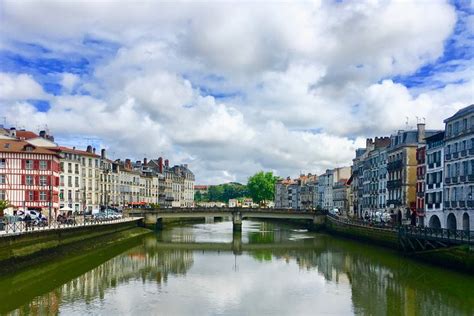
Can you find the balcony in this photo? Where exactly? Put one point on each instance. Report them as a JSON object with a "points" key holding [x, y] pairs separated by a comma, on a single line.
{"points": [[437, 205], [420, 194], [462, 204], [394, 184], [462, 179], [447, 204], [395, 165], [470, 178], [430, 165], [455, 155], [394, 202], [454, 204], [447, 157], [464, 153], [430, 186], [470, 203], [447, 180], [454, 180], [471, 151]]}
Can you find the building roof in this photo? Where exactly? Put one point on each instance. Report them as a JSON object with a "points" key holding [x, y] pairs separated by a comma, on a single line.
{"points": [[19, 146], [435, 137], [201, 187], [25, 135], [76, 151], [461, 113]]}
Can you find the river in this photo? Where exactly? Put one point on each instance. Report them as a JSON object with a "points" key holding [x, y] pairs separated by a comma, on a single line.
{"points": [[268, 269]]}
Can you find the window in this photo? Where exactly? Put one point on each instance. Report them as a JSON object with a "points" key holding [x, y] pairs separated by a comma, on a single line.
{"points": [[69, 167], [97, 163], [76, 182], [90, 162], [29, 180], [31, 196], [61, 194], [3, 195], [29, 164], [43, 165], [42, 195], [2, 163], [464, 124], [69, 181], [3, 179], [43, 180], [69, 195], [76, 168]]}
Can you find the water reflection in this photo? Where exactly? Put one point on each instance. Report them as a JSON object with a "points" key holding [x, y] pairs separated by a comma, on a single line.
{"points": [[269, 268]]}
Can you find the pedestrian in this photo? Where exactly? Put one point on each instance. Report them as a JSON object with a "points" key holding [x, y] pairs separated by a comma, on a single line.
{"points": [[27, 221]]}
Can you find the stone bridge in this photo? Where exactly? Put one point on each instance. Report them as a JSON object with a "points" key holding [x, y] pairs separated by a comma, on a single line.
{"points": [[155, 216]]}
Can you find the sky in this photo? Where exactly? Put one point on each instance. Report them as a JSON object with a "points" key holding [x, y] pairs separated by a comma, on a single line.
{"points": [[232, 88]]}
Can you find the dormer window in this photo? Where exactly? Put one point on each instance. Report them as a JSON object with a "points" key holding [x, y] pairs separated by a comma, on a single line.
{"points": [[7, 145], [29, 148]]}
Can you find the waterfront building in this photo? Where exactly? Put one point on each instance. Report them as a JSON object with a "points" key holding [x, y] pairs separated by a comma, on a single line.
{"points": [[420, 186], [341, 192], [71, 184], [29, 175], [459, 170], [434, 215], [401, 167], [326, 183], [281, 193], [296, 193], [356, 183]]}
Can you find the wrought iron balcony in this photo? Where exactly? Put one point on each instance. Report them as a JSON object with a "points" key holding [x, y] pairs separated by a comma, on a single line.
{"points": [[455, 155], [464, 153]]}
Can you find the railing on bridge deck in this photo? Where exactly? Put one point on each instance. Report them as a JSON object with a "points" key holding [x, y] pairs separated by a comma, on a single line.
{"points": [[362, 223], [440, 234]]}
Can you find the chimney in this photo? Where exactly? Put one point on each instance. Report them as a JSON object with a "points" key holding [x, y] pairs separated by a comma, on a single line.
{"points": [[12, 132], [89, 149], [167, 163], [42, 134], [74, 148], [160, 165], [421, 133], [185, 165], [102, 153], [145, 161], [93, 150], [128, 163], [369, 144]]}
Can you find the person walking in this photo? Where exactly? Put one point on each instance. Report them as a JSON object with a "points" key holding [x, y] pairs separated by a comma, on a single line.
{"points": [[27, 221]]}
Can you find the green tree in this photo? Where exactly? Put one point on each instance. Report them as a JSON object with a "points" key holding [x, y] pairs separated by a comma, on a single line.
{"points": [[216, 193], [3, 205], [198, 196], [261, 186]]}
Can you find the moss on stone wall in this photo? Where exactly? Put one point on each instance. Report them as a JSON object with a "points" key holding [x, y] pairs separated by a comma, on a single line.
{"points": [[30, 246]]}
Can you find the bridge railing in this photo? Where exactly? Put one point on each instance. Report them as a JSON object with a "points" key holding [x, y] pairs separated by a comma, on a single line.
{"points": [[451, 235], [358, 222]]}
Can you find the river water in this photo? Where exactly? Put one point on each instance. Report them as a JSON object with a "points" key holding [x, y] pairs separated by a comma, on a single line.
{"points": [[268, 269]]}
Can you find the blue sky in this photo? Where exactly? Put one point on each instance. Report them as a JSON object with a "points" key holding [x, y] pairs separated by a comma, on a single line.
{"points": [[274, 86]]}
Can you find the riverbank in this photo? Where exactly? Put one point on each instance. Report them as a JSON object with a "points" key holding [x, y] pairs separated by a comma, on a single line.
{"points": [[24, 250], [459, 258]]}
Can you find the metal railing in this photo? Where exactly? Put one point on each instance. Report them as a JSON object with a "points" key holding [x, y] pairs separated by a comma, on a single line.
{"points": [[21, 227], [442, 234]]}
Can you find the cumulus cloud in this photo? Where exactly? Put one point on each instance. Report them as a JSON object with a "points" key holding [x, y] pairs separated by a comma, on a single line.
{"points": [[19, 87], [232, 88]]}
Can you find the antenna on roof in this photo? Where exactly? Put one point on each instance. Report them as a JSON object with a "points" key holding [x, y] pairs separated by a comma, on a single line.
{"points": [[406, 123]]}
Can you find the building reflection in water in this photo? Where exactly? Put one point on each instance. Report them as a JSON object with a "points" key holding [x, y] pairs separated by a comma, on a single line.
{"points": [[381, 282]]}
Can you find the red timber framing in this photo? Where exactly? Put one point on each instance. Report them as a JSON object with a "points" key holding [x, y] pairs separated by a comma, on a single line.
{"points": [[31, 179]]}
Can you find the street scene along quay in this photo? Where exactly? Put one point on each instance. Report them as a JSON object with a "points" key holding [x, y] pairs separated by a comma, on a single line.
{"points": [[236, 158]]}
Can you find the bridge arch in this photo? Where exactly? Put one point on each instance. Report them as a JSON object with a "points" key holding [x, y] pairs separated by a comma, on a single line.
{"points": [[465, 221], [451, 222], [434, 222]]}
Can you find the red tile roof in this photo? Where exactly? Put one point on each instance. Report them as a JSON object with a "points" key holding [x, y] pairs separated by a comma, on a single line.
{"points": [[18, 146], [25, 135], [76, 151]]}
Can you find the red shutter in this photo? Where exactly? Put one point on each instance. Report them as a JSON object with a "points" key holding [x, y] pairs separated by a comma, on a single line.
{"points": [[36, 164], [48, 181], [23, 179], [37, 179], [26, 196], [48, 165], [23, 164], [48, 193], [35, 196]]}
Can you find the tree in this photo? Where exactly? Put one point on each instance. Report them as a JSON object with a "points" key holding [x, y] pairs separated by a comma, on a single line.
{"points": [[3, 205], [261, 186], [198, 196]]}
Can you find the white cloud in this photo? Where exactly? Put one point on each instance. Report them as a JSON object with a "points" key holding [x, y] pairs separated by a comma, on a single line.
{"points": [[19, 87], [306, 81]]}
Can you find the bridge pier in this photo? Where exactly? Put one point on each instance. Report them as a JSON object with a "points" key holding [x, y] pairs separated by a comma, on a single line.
{"points": [[159, 223], [209, 220], [236, 221], [237, 242]]}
